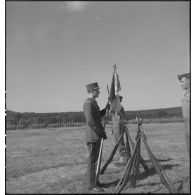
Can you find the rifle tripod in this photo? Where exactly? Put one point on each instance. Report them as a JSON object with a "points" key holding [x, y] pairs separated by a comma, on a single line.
{"points": [[132, 168], [128, 153]]}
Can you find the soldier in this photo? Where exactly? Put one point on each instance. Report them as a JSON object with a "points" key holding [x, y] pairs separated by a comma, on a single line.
{"points": [[117, 118], [94, 133], [185, 84]]}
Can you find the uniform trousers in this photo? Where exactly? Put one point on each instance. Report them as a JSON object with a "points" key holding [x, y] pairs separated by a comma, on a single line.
{"points": [[117, 131], [93, 148], [187, 135], [186, 116], [121, 147]]}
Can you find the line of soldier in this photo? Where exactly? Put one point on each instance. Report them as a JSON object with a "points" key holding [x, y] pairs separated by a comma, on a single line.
{"points": [[35, 126]]}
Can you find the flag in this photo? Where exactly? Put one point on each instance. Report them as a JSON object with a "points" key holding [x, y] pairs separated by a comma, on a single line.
{"points": [[117, 84], [114, 93], [112, 90]]}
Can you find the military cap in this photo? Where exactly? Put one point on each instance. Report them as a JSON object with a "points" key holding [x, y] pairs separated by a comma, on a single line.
{"points": [[186, 75], [92, 86]]}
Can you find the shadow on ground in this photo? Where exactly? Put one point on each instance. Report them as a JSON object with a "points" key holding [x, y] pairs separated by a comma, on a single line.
{"points": [[113, 175], [152, 171]]}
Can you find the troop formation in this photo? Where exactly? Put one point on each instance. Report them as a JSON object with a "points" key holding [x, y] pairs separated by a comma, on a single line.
{"points": [[95, 129]]}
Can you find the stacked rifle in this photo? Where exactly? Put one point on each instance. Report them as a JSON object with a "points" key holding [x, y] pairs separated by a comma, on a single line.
{"points": [[131, 171], [134, 160]]}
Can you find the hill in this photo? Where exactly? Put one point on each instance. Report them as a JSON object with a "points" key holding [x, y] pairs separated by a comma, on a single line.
{"points": [[155, 113]]}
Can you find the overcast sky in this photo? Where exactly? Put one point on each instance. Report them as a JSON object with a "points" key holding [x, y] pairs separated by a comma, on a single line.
{"points": [[53, 49]]}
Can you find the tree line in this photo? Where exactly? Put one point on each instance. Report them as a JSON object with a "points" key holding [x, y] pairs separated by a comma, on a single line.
{"points": [[30, 118]]}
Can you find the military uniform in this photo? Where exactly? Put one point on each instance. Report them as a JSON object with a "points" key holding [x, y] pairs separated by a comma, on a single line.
{"points": [[94, 133], [117, 130], [185, 84], [186, 106], [186, 116]]}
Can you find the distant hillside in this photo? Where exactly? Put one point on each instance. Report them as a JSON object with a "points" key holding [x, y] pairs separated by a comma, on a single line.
{"points": [[29, 118], [155, 113]]}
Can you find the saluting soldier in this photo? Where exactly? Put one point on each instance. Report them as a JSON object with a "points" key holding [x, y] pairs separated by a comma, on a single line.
{"points": [[94, 133], [185, 84]]}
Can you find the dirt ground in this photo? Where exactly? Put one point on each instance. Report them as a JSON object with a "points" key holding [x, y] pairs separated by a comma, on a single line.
{"points": [[54, 161]]}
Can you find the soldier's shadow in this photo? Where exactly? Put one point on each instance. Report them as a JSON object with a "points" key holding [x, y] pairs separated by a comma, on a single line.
{"points": [[144, 174], [112, 183], [148, 161], [152, 171]]}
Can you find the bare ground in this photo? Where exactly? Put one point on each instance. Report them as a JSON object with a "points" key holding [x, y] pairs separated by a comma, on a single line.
{"points": [[54, 161]]}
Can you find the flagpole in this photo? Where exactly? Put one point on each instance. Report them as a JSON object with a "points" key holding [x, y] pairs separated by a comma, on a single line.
{"points": [[114, 67], [101, 148]]}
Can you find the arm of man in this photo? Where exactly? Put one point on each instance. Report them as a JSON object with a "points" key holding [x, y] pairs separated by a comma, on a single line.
{"points": [[102, 112], [122, 113], [90, 121]]}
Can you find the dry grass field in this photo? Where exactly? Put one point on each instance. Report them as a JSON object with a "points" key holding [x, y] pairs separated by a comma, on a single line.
{"points": [[54, 161]]}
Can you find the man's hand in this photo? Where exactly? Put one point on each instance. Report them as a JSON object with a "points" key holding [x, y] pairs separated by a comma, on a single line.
{"points": [[107, 106], [104, 136], [125, 121]]}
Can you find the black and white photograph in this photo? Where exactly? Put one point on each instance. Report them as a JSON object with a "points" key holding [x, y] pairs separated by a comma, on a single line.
{"points": [[97, 97]]}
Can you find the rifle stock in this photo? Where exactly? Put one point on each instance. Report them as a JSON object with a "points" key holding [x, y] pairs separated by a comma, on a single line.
{"points": [[99, 161], [156, 166]]}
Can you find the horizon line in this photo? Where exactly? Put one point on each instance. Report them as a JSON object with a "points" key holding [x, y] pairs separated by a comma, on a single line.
{"points": [[82, 111]]}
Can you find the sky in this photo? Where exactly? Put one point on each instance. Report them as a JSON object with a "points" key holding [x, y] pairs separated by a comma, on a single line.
{"points": [[54, 49]]}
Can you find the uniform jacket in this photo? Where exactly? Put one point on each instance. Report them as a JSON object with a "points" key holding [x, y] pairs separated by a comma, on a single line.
{"points": [[94, 129], [186, 106], [117, 118]]}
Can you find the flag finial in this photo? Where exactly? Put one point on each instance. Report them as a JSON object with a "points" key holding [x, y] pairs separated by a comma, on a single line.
{"points": [[114, 67]]}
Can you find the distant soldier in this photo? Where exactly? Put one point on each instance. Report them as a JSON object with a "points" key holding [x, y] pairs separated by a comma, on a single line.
{"points": [[117, 118], [94, 133], [185, 84]]}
